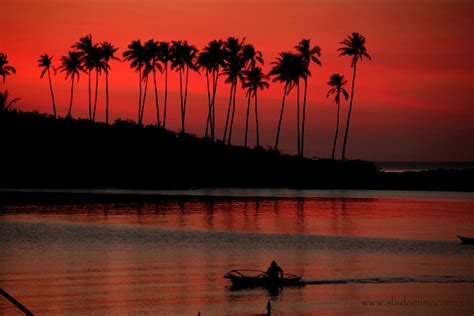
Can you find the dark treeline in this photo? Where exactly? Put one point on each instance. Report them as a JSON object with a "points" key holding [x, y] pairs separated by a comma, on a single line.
{"points": [[234, 60], [46, 152]]}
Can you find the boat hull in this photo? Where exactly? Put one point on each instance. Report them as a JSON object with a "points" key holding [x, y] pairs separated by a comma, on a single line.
{"points": [[466, 240], [263, 281]]}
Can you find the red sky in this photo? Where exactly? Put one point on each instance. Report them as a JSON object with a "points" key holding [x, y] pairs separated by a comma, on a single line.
{"points": [[412, 102]]}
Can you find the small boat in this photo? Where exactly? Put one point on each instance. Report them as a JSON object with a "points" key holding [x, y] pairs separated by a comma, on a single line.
{"points": [[257, 278], [466, 240]]}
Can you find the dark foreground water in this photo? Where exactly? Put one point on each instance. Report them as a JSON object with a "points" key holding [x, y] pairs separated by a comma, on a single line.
{"points": [[394, 254]]}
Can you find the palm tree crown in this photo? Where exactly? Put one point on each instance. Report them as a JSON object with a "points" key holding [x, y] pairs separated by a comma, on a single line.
{"points": [[5, 68], [72, 64], [212, 56], [337, 83], [250, 56], [234, 62], [354, 45], [183, 54], [135, 55], [107, 52], [288, 69], [255, 80], [151, 56], [308, 54], [45, 62]]}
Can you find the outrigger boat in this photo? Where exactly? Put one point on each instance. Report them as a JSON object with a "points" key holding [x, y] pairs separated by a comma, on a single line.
{"points": [[466, 240], [257, 278]]}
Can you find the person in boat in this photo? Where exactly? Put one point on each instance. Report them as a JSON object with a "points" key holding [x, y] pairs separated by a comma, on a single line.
{"points": [[274, 272]]}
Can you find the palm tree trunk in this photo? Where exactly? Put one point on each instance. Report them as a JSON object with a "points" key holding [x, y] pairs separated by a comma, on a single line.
{"points": [[349, 114], [298, 116], [144, 99], [96, 89], [216, 78], [156, 99], [69, 113], [247, 119], [90, 102], [304, 116], [185, 95], [52, 94], [181, 98], [228, 111], [256, 119], [140, 96], [208, 104], [337, 131], [166, 95], [233, 113], [106, 97], [281, 117]]}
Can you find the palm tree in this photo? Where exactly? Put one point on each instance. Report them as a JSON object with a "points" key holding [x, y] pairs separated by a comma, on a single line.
{"points": [[353, 46], [248, 58], [85, 48], [164, 56], [99, 64], [5, 68], [45, 63], [107, 54], [6, 104], [153, 53], [211, 58], [308, 54], [254, 80], [337, 83], [147, 69], [136, 56], [183, 59], [234, 66], [288, 69], [72, 66]]}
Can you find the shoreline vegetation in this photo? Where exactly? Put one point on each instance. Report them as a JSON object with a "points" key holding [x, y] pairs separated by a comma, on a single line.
{"points": [[234, 59], [41, 151]]}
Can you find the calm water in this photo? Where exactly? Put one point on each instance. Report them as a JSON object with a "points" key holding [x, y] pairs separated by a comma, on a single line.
{"points": [[401, 166], [167, 255]]}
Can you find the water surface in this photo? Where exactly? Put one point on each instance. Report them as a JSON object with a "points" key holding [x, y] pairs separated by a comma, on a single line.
{"points": [[167, 254]]}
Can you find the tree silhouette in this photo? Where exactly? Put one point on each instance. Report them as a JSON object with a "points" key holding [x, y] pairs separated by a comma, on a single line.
{"points": [[254, 80], [147, 69], [164, 56], [183, 59], [287, 69], [6, 104], [308, 54], [353, 46], [136, 56], [72, 66], [337, 83], [85, 48], [212, 58], [248, 58], [153, 51], [107, 53], [45, 63], [5, 68], [233, 68]]}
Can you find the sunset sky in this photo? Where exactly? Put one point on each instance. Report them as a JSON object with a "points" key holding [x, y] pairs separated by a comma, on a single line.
{"points": [[413, 101]]}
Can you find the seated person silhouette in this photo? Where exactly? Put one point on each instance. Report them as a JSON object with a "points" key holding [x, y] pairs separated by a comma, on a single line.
{"points": [[274, 272]]}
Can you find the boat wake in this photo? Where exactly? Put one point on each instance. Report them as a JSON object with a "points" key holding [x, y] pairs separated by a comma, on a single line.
{"points": [[423, 279]]}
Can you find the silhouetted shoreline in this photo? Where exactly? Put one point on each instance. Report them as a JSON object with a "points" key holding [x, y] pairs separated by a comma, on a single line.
{"points": [[39, 151]]}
